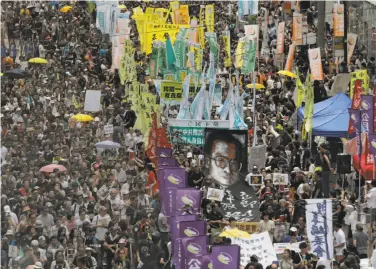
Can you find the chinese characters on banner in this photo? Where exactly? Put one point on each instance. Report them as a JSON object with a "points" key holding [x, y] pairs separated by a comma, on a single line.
{"points": [[361, 75], [259, 245], [281, 38], [209, 18], [315, 64], [338, 19], [320, 227], [171, 90], [187, 135]]}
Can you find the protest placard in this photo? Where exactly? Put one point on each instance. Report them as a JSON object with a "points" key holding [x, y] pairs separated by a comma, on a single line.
{"points": [[215, 194], [280, 179], [171, 90], [257, 157], [92, 101], [108, 129]]}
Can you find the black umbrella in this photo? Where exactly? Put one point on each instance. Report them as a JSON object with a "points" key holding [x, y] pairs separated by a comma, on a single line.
{"points": [[15, 73]]}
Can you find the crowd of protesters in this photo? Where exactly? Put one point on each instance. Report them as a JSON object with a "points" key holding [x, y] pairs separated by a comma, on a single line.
{"points": [[104, 211]]}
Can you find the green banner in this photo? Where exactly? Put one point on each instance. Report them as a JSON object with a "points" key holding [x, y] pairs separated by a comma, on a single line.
{"points": [[249, 57], [187, 135]]}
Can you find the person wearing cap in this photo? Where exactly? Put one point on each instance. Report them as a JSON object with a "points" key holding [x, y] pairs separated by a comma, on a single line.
{"points": [[292, 237], [11, 217]]}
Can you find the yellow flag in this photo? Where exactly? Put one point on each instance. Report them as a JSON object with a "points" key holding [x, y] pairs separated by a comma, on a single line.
{"points": [[359, 75], [309, 105], [300, 90], [209, 18], [240, 51]]}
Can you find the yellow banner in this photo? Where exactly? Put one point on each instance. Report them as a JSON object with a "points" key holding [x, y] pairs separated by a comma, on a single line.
{"points": [[137, 11], [361, 75], [174, 6], [184, 15], [297, 32], [171, 90], [315, 64], [338, 20], [162, 13], [198, 59], [209, 18], [149, 10], [201, 33], [290, 57], [281, 38], [157, 31], [226, 42], [201, 15], [240, 51]]}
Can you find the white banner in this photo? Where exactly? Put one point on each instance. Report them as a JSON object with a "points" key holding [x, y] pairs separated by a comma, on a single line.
{"points": [[92, 101], [259, 245], [320, 227], [257, 156], [108, 129], [221, 124], [280, 247]]}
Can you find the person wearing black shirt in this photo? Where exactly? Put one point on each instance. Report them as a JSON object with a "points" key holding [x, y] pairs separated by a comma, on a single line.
{"points": [[110, 244], [326, 169], [215, 217], [303, 258], [195, 177]]}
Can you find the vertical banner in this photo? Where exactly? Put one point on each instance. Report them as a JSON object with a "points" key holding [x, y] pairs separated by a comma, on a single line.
{"points": [[253, 7], [299, 91], [240, 52], [243, 8], [290, 57], [356, 100], [174, 6], [366, 107], [351, 42], [315, 64], [361, 75], [355, 119], [252, 33], [374, 110], [339, 20], [372, 145], [309, 107], [227, 46], [226, 257], [281, 38], [209, 18], [249, 57], [297, 32], [320, 227], [189, 199]]}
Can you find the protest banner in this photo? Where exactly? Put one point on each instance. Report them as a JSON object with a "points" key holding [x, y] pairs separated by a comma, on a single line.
{"points": [[193, 247], [315, 64], [209, 18], [257, 157], [281, 38], [338, 19], [171, 90], [290, 57], [240, 199], [340, 84], [164, 152], [279, 248], [366, 106], [108, 129], [167, 162], [259, 245], [351, 42], [215, 194], [320, 227], [361, 75], [92, 101], [188, 201], [297, 29], [187, 135]]}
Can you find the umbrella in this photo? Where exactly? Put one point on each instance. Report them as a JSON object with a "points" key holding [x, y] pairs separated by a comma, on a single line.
{"points": [[65, 9], [287, 73], [38, 61], [51, 167], [257, 85], [82, 117], [107, 145], [15, 73], [235, 233]]}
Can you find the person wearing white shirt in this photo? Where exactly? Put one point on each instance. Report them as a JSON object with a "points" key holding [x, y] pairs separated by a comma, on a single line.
{"points": [[373, 259], [340, 242], [100, 222], [120, 174], [12, 216], [137, 137]]}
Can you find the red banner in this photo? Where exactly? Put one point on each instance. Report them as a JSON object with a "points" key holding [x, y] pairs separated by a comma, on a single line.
{"points": [[374, 109], [153, 141], [355, 102]]}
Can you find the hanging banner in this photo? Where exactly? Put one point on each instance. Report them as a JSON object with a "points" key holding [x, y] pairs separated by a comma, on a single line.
{"points": [[188, 201], [209, 18], [217, 96], [361, 75], [290, 57], [249, 57], [315, 64], [174, 6], [372, 142], [339, 20], [158, 32], [297, 32], [187, 135], [351, 42], [252, 33], [164, 152], [320, 227], [259, 245], [226, 256], [366, 107], [340, 84], [171, 90], [227, 46], [300, 91], [240, 200], [240, 52], [281, 38], [179, 47], [309, 107], [355, 121], [374, 110]]}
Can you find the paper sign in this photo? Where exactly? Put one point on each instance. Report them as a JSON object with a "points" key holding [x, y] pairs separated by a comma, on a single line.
{"points": [[280, 179], [215, 194], [171, 90], [108, 129], [92, 101], [257, 157]]}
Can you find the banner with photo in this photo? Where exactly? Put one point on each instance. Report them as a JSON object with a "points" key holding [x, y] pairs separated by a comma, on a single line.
{"points": [[281, 38], [320, 227], [339, 19], [227, 162], [351, 42], [290, 57], [297, 28], [315, 64]]}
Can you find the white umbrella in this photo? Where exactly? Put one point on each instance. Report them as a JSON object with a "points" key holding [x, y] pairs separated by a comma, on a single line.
{"points": [[107, 145]]}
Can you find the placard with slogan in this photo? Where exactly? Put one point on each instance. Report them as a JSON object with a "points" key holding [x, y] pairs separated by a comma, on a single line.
{"points": [[171, 90], [188, 135]]}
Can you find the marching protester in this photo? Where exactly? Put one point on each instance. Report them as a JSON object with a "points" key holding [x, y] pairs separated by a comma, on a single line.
{"points": [[84, 113]]}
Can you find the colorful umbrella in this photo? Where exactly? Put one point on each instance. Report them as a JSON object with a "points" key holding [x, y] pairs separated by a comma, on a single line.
{"points": [[257, 85], [66, 9], [38, 61], [287, 73], [235, 233], [51, 167], [82, 117], [107, 145]]}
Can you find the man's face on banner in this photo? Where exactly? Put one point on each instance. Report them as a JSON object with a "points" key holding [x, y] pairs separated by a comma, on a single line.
{"points": [[224, 167]]}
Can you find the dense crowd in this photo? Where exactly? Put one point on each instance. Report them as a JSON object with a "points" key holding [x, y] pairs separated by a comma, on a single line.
{"points": [[104, 210]]}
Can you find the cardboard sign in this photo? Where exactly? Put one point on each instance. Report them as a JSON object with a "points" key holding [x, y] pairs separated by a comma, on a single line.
{"points": [[92, 101], [108, 129]]}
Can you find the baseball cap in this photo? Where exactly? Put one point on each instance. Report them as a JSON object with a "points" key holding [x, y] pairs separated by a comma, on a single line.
{"points": [[34, 243], [293, 229], [7, 209]]}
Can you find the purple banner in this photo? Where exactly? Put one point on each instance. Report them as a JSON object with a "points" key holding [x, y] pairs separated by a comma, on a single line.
{"points": [[372, 145], [193, 247], [170, 177], [356, 122], [226, 257], [188, 199], [366, 106], [167, 162], [164, 152]]}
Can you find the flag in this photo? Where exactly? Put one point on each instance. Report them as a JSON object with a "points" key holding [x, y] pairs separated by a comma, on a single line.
{"points": [[315, 64], [209, 18], [249, 57], [309, 105], [184, 103], [170, 55], [226, 256], [355, 119], [356, 100], [299, 90]]}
